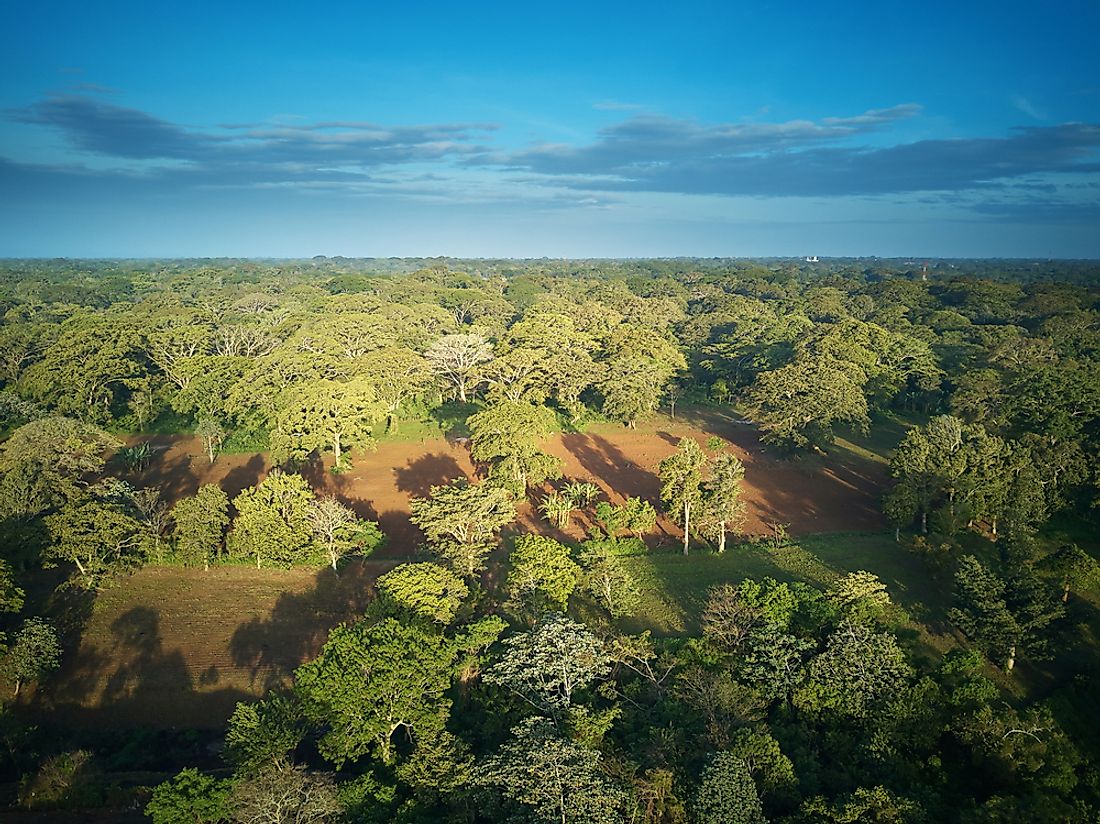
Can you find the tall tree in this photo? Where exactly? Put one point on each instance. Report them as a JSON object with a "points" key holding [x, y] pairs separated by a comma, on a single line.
{"points": [[542, 575], [455, 359], [505, 436], [340, 530], [681, 483], [464, 513], [721, 507], [200, 523], [326, 414], [272, 522]]}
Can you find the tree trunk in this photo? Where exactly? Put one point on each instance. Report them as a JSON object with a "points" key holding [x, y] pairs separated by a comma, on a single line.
{"points": [[994, 527], [336, 448], [257, 560], [18, 684], [687, 526], [1011, 662], [462, 390], [332, 555], [672, 408], [210, 448], [1065, 591], [924, 523], [722, 538], [897, 535]]}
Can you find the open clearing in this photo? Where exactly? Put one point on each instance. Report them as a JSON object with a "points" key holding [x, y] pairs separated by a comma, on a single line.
{"points": [[169, 647]]}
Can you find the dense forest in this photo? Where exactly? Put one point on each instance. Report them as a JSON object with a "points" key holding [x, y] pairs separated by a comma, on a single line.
{"points": [[499, 673]]}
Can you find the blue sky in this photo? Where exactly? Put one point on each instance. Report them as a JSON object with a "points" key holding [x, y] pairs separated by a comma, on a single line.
{"points": [[567, 129]]}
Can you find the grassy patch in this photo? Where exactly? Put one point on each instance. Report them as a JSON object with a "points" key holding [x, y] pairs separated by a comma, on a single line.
{"points": [[674, 587]]}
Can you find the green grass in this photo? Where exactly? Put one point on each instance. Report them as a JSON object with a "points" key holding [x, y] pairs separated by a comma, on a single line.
{"points": [[885, 433], [674, 587]]}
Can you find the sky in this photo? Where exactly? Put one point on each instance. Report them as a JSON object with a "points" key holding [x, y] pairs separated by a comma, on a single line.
{"points": [[596, 129]]}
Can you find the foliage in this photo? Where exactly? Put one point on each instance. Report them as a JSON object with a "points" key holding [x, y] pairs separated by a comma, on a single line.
{"points": [[191, 797], [200, 523], [464, 513], [425, 590], [547, 665], [727, 794], [542, 575], [34, 653], [552, 779], [273, 520]]}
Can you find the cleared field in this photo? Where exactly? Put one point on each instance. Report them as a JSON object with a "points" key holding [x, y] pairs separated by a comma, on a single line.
{"points": [[169, 647]]}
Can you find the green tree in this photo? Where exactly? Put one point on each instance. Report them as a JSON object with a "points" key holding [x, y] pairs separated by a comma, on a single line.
{"points": [[721, 508], [547, 666], [326, 414], [35, 652], [681, 483], [727, 794], [505, 436], [98, 537], [263, 733], [212, 434], [860, 597], [1075, 568], [192, 797], [45, 463], [464, 514], [272, 522], [200, 523], [636, 516], [424, 590], [542, 574], [856, 675], [608, 580], [372, 681], [799, 404]]}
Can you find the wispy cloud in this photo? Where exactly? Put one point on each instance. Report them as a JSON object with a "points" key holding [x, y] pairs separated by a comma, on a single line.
{"points": [[801, 157], [1024, 105], [274, 151]]}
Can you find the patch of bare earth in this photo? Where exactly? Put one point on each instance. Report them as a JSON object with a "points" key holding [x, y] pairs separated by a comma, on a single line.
{"points": [[170, 647]]}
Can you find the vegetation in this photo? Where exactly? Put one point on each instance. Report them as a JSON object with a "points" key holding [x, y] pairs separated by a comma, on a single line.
{"points": [[545, 654]]}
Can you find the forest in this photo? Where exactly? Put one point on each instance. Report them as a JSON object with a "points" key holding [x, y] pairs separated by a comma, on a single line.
{"points": [[592, 541]]}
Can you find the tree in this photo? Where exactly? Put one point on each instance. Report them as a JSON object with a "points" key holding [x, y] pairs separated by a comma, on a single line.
{"points": [[505, 435], [285, 794], [45, 463], [212, 434], [800, 403], [397, 375], [192, 797], [727, 794], [99, 538], [326, 414], [264, 733], [551, 778], [860, 597], [981, 612], [721, 508], [373, 680], [681, 483], [200, 523], [640, 365], [547, 665], [152, 512], [636, 516], [272, 521], [455, 359], [463, 513], [34, 653], [542, 575], [608, 580], [1075, 568], [339, 529], [858, 672], [424, 590]]}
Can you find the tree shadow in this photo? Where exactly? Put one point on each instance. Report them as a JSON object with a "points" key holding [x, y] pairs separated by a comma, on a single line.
{"points": [[420, 474], [614, 472], [272, 647], [241, 477], [149, 687]]}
